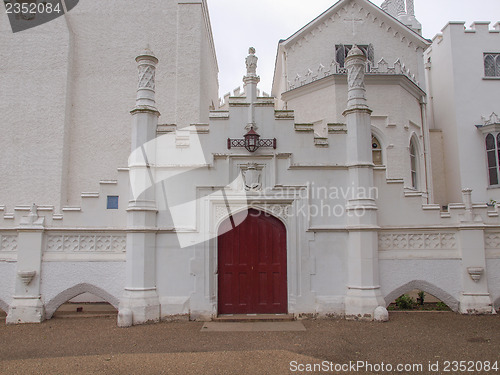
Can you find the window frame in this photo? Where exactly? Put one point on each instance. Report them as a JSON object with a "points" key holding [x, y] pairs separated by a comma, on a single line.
{"points": [[112, 202], [413, 152], [379, 150], [496, 151], [496, 64], [367, 50]]}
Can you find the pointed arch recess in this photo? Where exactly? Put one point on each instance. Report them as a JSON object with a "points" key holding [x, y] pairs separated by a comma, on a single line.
{"points": [[380, 137], [427, 287], [239, 215], [66, 295], [415, 152]]}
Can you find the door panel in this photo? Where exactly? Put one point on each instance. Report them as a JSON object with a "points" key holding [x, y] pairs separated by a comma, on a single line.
{"points": [[252, 269]]}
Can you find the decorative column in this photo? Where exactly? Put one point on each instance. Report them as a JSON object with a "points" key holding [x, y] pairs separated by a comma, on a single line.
{"points": [[27, 306], [251, 81], [140, 302], [410, 7], [475, 298], [400, 7], [363, 295]]}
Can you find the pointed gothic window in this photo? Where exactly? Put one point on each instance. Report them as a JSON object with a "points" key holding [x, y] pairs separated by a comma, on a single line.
{"points": [[370, 55], [340, 54], [376, 151], [493, 157], [413, 164], [492, 154], [492, 64]]}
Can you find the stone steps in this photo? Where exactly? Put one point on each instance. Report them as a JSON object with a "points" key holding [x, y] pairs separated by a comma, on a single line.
{"points": [[254, 318]]}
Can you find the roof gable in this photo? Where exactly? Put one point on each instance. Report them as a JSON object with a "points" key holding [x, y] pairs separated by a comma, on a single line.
{"points": [[346, 10]]}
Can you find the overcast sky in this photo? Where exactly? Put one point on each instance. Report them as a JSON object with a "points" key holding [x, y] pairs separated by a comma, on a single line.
{"points": [[239, 24]]}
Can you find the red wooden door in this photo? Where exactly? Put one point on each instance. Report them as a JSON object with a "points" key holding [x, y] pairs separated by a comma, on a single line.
{"points": [[252, 266]]}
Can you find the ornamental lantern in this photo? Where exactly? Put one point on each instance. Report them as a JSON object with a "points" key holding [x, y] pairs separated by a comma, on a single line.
{"points": [[251, 141]]}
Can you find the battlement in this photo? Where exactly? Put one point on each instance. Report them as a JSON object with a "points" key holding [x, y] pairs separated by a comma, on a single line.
{"points": [[321, 71], [238, 93], [477, 27]]}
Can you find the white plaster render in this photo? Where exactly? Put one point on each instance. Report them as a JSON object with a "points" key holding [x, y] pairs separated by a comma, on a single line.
{"points": [[437, 277], [8, 271], [64, 280], [374, 26], [338, 263], [455, 70], [71, 80], [494, 280]]}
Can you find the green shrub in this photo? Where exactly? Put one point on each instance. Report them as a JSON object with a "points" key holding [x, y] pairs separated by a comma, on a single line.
{"points": [[405, 302], [421, 297], [441, 306]]}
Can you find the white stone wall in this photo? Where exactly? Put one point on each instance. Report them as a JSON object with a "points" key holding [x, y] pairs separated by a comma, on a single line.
{"points": [[64, 280], [8, 270], [439, 277], [175, 275], [395, 119], [306, 55], [8, 267], [460, 97], [33, 107], [69, 86], [414, 253], [83, 248], [493, 267], [306, 82], [328, 253]]}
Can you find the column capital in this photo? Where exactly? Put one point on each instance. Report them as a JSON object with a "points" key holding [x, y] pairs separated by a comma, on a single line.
{"points": [[146, 65], [355, 63]]}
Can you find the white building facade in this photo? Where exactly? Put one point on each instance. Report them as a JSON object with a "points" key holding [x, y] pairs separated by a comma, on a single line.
{"points": [[463, 75], [318, 200]]}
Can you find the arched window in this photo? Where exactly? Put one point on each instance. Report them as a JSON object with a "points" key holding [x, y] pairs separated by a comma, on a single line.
{"points": [[492, 64], [491, 152], [376, 151], [413, 164]]}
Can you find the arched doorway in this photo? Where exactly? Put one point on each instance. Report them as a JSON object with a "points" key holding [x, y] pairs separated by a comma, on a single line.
{"points": [[252, 266]]}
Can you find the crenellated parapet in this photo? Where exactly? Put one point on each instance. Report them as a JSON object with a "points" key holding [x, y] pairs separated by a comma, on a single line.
{"points": [[238, 93], [381, 68], [479, 28]]}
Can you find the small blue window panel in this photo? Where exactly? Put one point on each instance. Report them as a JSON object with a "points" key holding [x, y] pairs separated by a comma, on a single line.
{"points": [[112, 202]]}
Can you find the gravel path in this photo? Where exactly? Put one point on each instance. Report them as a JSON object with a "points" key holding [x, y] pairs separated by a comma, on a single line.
{"points": [[97, 346]]}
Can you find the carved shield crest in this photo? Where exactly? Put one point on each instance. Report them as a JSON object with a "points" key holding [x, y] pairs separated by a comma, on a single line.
{"points": [[252, 177]]}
